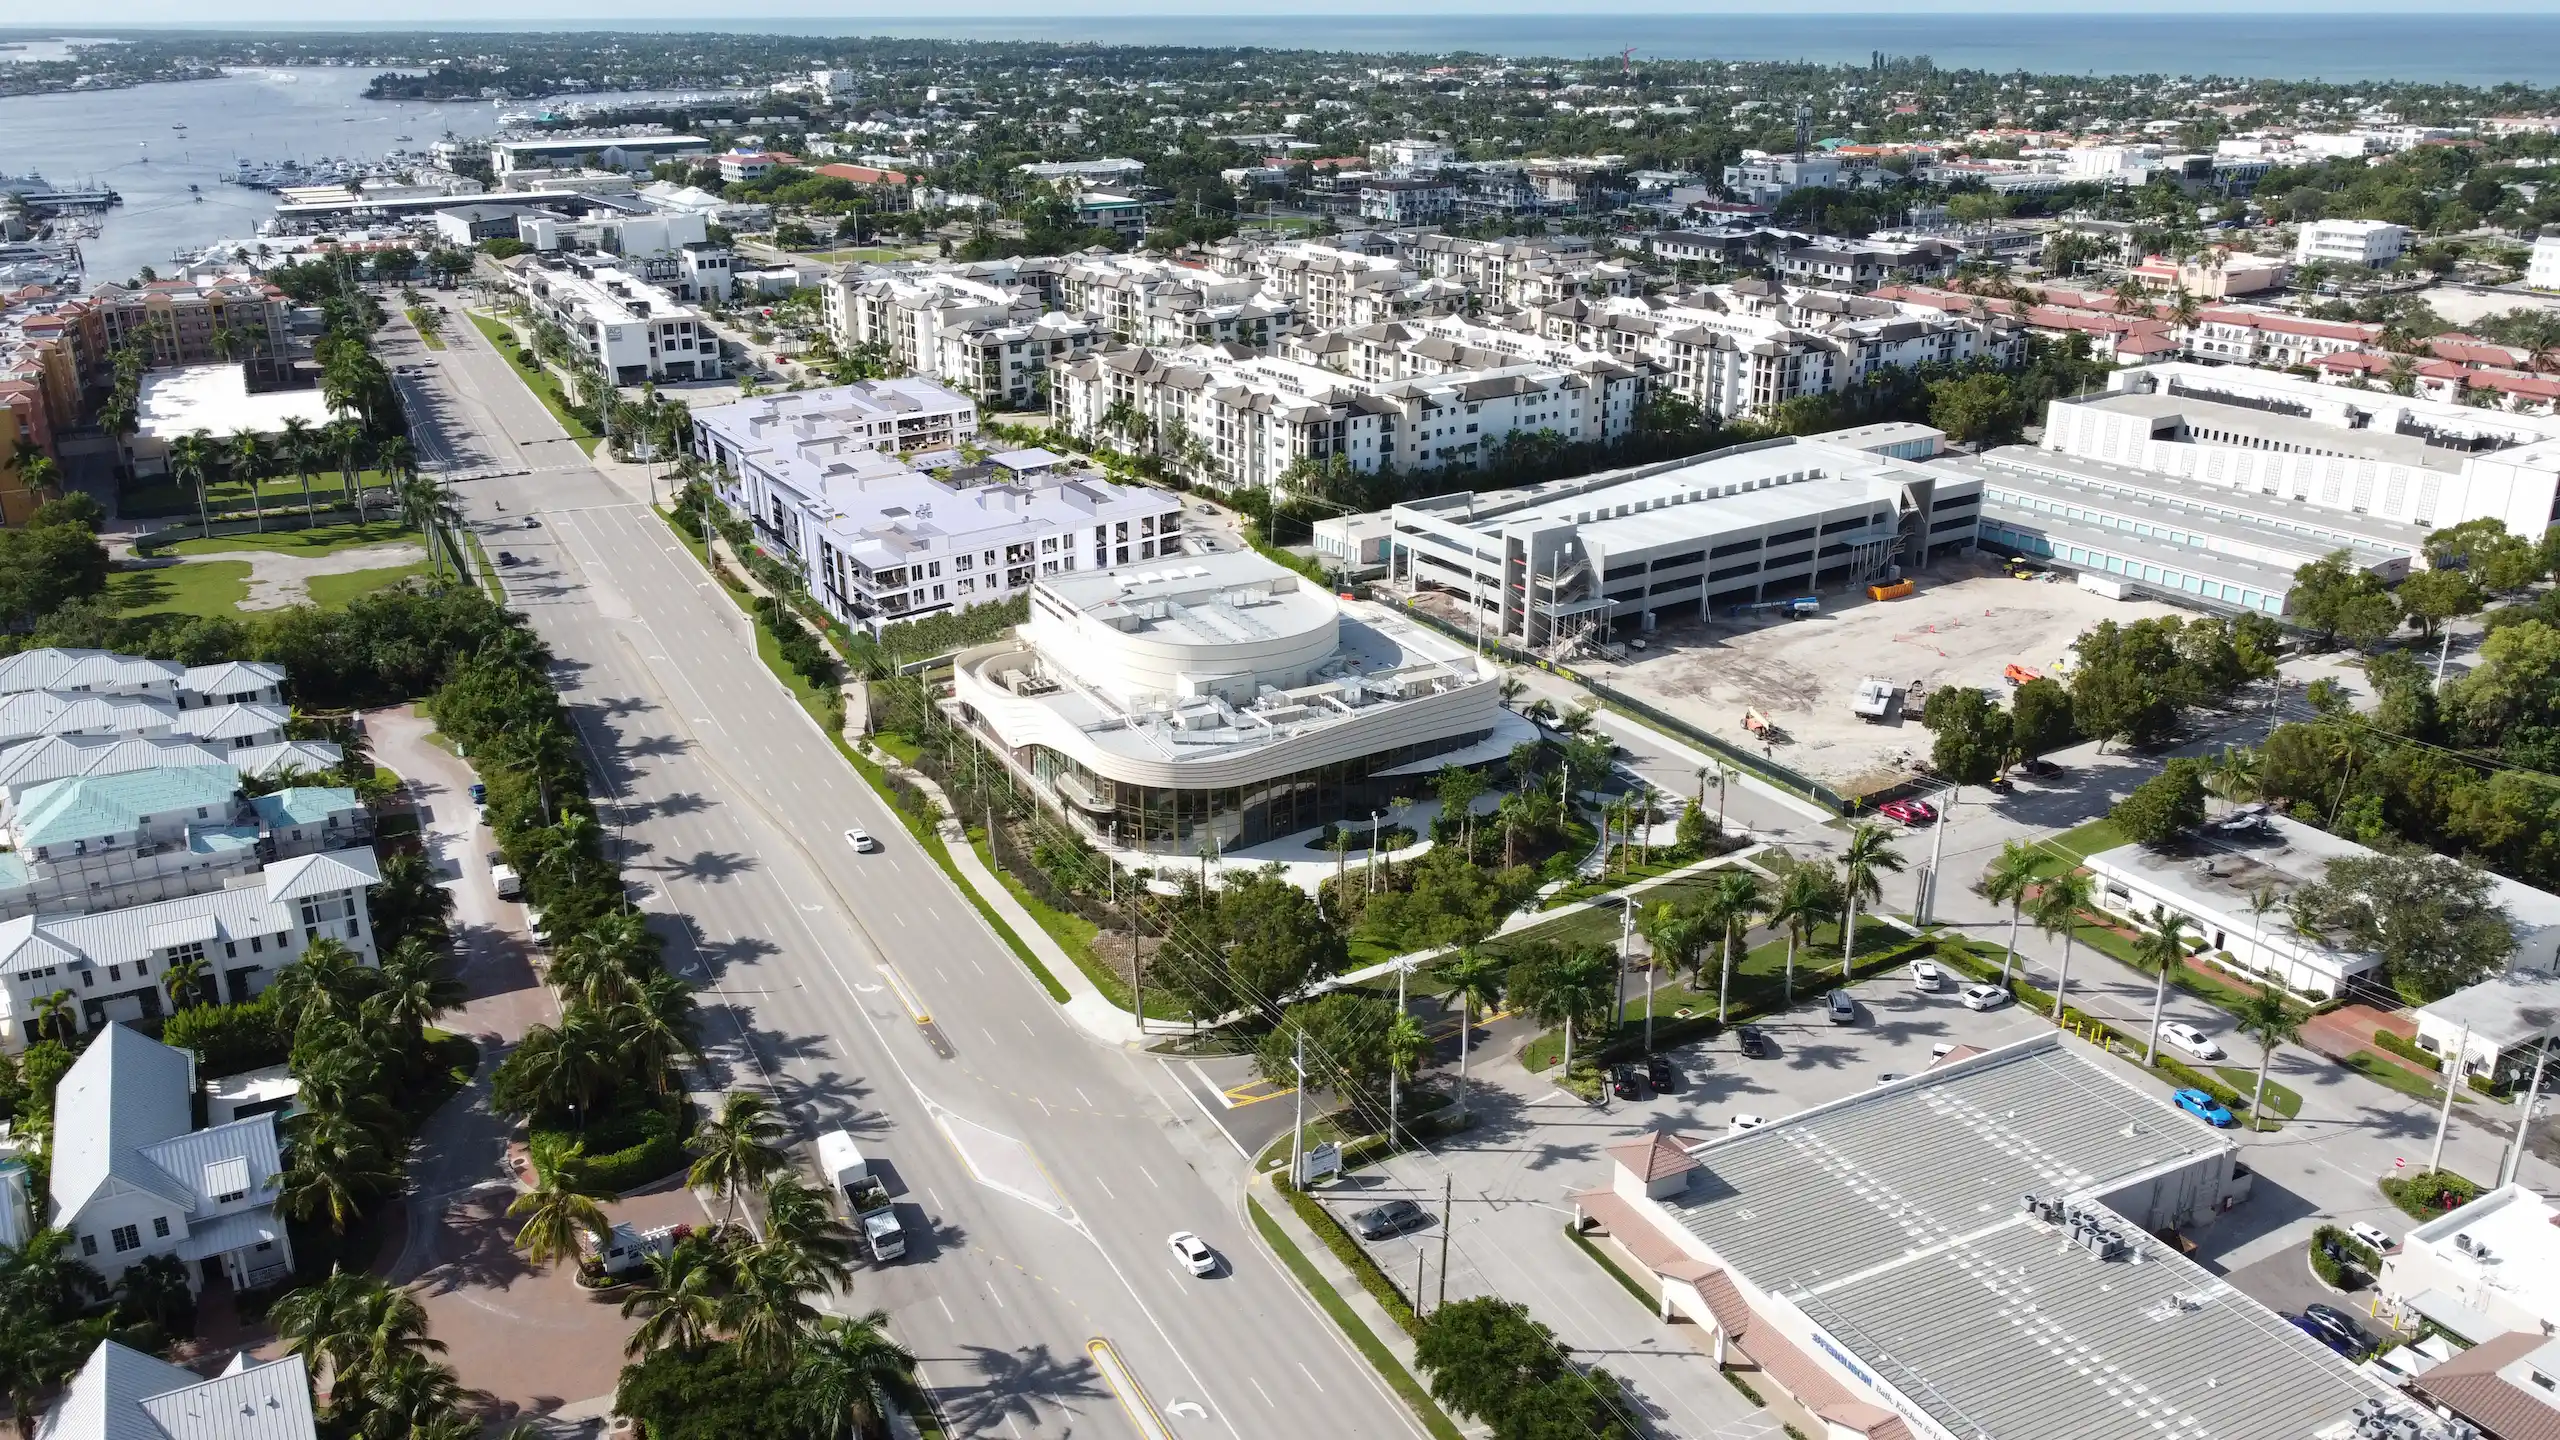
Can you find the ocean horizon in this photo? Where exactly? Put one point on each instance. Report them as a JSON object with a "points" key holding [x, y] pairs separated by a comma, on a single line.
{"points": [[2351, 47]]}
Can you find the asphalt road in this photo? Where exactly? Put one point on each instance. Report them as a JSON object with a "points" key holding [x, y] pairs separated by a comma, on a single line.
{"points": [[1039, 1171]]}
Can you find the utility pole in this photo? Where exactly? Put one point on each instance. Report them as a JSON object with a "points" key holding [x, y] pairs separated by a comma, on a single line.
{"points": [[1652, 963], [1447, 1191], [2524, 1121], [2452, 1078], [2443, 648], [1137, 967], [1298, 1130], [1418, 1254], [1626, 932], [1395, 1088], [1927, 907]]}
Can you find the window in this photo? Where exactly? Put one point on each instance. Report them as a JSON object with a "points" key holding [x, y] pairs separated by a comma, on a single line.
{"points": [[159, 1227], [126, 1237], [88, 1244]]}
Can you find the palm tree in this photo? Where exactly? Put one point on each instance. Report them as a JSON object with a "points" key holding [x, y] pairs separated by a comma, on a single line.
{"points": [[2234, 774], [1729, 910], [354, 1325], [184, 980], [679, 1302], [1676, 933], [414, 989], [2160, 949], [1806, 897], [53, 1014], [1864, 861], [1408, 1045], [558, 1214], [2058, 905], [656, 1028], [1557, 986], [190, 457], [740, 1148], [346, 443], [767, 1309], [247, 453], [409, 1399], [563, 1066], [1475, 981], [299, 451], [2007, 882], [326, 980], [848, 1372], [2265, 1018], [334, 1164], [798, 1221]]}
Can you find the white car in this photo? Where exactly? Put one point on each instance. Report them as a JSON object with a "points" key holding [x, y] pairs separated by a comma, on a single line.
{"points": [[1194, 1253], [1984, 997], [2373, 1237], [1747, 1121], [861, 841], [1925, 975], [2190, 1039]]}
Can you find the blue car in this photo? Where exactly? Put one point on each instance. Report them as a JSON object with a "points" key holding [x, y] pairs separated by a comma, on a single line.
{"points": [[2205, 1108]]}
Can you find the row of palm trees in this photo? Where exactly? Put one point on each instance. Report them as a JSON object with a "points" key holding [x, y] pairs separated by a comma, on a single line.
{"points": [[370, 1355], [247, 457], [751, 1288]]}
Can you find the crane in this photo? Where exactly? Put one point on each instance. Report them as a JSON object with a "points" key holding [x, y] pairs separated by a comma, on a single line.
{"points": [[1627, 61]]}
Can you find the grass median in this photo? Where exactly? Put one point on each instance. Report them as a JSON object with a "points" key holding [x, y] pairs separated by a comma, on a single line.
{"points": [[538, 379], [1339, 1310]]}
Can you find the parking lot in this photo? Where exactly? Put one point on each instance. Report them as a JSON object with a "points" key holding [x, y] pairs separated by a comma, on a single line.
{"points": [[1512, 1176], [1964, 625]]}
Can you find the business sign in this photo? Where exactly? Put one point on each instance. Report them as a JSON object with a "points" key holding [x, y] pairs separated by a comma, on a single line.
{"points": [[1322, 1162]]}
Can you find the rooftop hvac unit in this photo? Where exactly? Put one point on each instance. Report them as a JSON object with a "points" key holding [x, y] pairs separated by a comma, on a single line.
{"points": [[2465, 1244]]}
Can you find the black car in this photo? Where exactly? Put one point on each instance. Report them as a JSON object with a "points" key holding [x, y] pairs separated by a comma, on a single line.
{"points": [[2041, 768], [506, 557], [1393, 1218], [1626, 1082], [2338, 1326], [1755, 1042], [1657, 1068]]}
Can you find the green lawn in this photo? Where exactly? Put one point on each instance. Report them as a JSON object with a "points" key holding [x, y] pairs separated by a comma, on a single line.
{"points": [[212, 589], [319, 540], [2399, 1077], [2243, 1078], [2065, 851], [336, 592], [163, 497], [544, 385]]}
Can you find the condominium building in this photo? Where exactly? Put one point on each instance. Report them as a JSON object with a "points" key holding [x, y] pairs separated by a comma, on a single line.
{"points": [[1745, 348], [1242, 420], [1335, 287], [2542, 267], [989, 332], [123, 1392], [113, 963], [879, 541], [2370, 243], [1407, 202], [611, 152], [635, 330], [1154, 301], [1521, 272]]}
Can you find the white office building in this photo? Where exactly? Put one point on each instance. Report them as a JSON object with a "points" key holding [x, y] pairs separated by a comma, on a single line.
{"points": [[611, 152], [879, 541], [2487, 1269], [2542, 267], [1220, 702], [1544, 566], [2369, 243], [2322, 450], [637, 331]]}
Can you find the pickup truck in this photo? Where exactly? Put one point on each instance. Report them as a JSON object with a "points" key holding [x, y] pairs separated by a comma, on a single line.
{"points": [[866, 1200]]}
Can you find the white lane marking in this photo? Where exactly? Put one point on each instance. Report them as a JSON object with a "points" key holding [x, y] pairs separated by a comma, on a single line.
{"points": [[930, 1195], [973, 960], [1311, 1376], [946, 1310], [1151, 1179], [1087, 1099], [1027, 1030], [990, 1034], [999, 1299], [1106, 1188], [1044, 1107], [1266, 1395]]}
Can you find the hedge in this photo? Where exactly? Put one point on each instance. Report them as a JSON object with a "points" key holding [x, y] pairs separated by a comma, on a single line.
{"points": [[230, 1039], [2489, 1087], [2428, 1194], [625, 1150], [2324, 1240], [1348, 1251], [2410, 1051]]}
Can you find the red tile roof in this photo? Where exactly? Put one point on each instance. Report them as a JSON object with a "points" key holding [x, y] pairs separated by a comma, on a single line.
{"points": [[1656, 1157], [861, 174], [2469, 1386]]}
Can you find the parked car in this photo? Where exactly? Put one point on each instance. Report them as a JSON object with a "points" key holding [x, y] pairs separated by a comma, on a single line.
{"points": [[1378, 1222], [2373, 1237], [2205, 1108], [1889, 1076], [1193, 1252], [861, 841], [2190, 1039], [1984, 997], [1755, 1042], [1842, 1009], [1909, 812], [1746, 1121], [2340, 1324], [1626, 1082], [2041, 769], [1658, 1071], [1926, 976]]}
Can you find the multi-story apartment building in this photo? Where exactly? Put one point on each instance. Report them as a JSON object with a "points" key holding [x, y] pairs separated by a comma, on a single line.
{"points": [[1522, 272], [1335, 287], [879, 541], [1407, 202], [2248, 335], [2370, 243], [100, 841], [1245, 420], [637, 331], [989, 331], [1154, 301], [1744, 348]]}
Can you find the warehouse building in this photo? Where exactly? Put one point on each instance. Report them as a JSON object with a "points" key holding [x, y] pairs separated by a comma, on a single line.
{"points": [[1970, 1254], [1624, 549]]}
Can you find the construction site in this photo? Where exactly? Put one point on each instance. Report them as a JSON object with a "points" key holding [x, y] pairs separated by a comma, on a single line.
{"points": [[1791, 681]]}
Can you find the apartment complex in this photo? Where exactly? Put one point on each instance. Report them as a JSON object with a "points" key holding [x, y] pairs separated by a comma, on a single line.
{"points": [[2368, 243], [635, 330], [990, 332], [879, 540]]}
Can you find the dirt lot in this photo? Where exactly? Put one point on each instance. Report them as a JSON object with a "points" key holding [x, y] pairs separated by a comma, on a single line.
{"points": [[1963, 625]]}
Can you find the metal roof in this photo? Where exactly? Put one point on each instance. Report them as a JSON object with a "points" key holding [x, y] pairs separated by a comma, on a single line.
{"points": [[305, 804], [51, 668], [59, 757], [123, 1394], [120, 937], [233, 722], [125, 1093], [87, 807], [31, 713], [323, 874]]}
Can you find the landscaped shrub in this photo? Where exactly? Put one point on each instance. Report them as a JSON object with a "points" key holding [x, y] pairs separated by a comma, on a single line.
{"points": [[2429, 1193], [2409, 1050], [2486, 1086], [2326, 1248], [627, 1149], [1348, 1251], [229, 1039]]}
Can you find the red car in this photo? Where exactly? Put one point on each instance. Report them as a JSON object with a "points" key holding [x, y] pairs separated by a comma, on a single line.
{"points": [[1909, 812]]}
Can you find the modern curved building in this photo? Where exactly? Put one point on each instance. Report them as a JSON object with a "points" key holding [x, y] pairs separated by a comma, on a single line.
{"points": [[1220, 701]]}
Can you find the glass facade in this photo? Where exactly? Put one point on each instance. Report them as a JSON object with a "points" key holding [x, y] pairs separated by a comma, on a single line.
{"points": [[1180, 822]]}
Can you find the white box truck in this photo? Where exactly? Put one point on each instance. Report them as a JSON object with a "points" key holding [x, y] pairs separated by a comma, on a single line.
{"points": [[2107, 585], [865, 1198], [503, 875]]}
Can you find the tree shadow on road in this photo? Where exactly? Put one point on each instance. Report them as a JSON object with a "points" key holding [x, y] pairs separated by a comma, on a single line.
{"points": [[708, 867], [1008, 1384]]}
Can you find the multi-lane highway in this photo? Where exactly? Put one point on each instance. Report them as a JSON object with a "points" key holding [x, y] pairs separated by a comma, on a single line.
{"points": [[1040, 1171]]}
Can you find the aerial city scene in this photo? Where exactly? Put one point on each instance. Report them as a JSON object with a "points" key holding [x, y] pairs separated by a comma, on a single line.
{"points": [[1445, 723]]}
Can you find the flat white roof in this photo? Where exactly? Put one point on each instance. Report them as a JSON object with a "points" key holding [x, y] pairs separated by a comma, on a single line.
{"points": [[2521, 1232], [216, 399]]}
